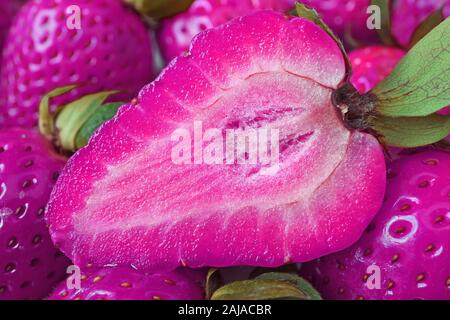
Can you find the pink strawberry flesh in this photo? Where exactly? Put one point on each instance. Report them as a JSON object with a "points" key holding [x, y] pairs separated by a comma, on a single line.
{"points": [[29, 263], [130, 204], [121, 283], [409, 240], [111, 51], [373, 64]]}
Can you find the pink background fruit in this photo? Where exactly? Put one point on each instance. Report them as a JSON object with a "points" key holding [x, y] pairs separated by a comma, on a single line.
{"points": [[115, 283], [407, 15], [346, 18], [176, 33], [349, 17], [128, 199], [373, 64], [112, 50], [409, 239], [29, 263], [8, 10]]}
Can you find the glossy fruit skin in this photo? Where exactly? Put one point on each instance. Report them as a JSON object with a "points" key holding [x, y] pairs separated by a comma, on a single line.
{"points": [[253, 66], [29, 263], [111, 51], [373, 64], [409, 239], [8, 10], [121, 283], [407, 15], [350, 16], [346, 18], [176, 33]]}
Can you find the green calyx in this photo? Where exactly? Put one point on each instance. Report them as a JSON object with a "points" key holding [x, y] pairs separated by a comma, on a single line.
{"points": [[268, 286], [71, 126], [158, 9], [419, 86], [411, 132], [400, 111], [431, 22]]}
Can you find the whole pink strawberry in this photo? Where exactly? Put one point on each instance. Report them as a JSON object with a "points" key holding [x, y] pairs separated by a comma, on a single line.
{"points": [[120, 283], [176, 33], [46, 49], [8, 10], [30, 264], [409, 240], [373, 64], [407, 15]]}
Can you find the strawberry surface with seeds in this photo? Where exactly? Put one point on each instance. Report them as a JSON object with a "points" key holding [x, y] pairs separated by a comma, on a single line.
{"points": [[409, 239], [120, 283], [30, 264], [111, 50]]}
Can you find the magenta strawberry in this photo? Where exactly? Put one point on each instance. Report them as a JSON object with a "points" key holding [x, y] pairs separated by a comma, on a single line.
{"points": [[29, 263], [111, 50], [175, 34], [407, 15], [119, 283], [126, 196], [8, 10], [347, 18], [373, 64], [409, 240]]}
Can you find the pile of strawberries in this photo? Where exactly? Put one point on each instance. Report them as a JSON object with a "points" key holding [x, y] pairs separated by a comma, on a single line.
{"points": [[93, 207]]}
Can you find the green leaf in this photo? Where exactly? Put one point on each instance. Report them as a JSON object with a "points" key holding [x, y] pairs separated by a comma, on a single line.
{"points": [[385, 31], [268, 286], [102, 114], [73, 116], [213, 282], [158, 9], [259, 290], [288, 268], [46, 117], [419, 86], [411, 132], [425, 27], [312, 15], [301, 283]]}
